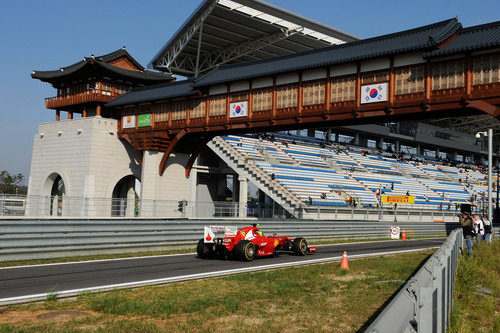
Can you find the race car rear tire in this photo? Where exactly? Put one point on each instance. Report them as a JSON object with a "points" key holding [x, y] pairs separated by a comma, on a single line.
{"points": [[205, 251], [245, 250], [299, 246]]}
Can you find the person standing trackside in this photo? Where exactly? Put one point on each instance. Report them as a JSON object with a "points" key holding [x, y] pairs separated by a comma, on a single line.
{"points": [[487, 229], [466, 222]]}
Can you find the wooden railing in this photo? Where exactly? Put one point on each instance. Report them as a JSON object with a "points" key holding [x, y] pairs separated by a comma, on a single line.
{"points": [[79, 98], [413, 89]]}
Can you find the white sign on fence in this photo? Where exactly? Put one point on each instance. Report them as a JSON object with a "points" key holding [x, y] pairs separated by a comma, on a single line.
{"points": [[395, 232], [372, 93], [239, 109]]}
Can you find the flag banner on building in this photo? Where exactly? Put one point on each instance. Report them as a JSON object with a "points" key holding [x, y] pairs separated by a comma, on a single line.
{"points": [[398, 199], [128, 122], [372, 93], [144, 120], [239, 109]]}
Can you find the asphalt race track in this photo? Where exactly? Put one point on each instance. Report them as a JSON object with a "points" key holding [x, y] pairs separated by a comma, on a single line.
{"points": [[21, 284]]}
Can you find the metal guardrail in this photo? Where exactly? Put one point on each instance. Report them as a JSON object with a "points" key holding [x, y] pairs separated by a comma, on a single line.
{"points": [[24, 239], [423, 304]]}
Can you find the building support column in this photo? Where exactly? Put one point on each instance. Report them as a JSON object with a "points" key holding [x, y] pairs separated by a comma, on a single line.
{"points": [[70, 115], [437, 152], [130, 206], [243, 197], [356, 138], [329, 134], [84, 112], [311, 133], [455, 156], [419, 149], [98, 110], [58, 115], [380, 143], [398, 147]]}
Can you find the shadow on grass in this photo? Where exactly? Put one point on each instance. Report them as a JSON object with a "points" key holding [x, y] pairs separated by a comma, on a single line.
{"points": [[381, 308]]}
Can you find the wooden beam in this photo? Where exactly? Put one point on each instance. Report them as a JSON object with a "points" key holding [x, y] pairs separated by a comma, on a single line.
{"points": [[299, 94], [358, 86], [169, 150], [428, 80], [250, 101], [274, 100], [328, 92], [195, 154], [468, 76], [392, 87], [485, 107]]}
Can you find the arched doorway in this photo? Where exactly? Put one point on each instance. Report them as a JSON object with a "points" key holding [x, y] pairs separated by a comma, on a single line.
{"points": [[57, 194], [125, 197]]}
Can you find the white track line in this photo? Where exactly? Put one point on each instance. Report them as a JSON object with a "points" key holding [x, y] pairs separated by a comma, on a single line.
{"points": [[171, 255], [135, 284]]}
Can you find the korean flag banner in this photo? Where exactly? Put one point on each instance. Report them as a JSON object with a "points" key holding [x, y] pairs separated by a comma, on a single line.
{"points": [[239, 109], [374, 93]]}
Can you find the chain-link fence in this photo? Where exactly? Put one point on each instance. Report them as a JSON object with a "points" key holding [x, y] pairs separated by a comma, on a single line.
{"points": [[64, 206]]}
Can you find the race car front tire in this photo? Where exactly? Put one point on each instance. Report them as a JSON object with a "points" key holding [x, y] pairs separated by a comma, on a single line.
{"points": [[244, 250], [205, 251], [299, 246]]}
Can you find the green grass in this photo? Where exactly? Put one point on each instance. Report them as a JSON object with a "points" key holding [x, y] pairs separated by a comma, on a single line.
{"points": [[316, 298], [472, 310], [176, 251]]}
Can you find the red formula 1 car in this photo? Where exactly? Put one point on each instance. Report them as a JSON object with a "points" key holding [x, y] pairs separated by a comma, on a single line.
{"points": [[247, 243]]}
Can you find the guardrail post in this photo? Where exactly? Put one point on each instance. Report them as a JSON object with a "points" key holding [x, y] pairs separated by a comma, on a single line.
{"points": [[367, 214], [432, 215], [438, 283], [86, 207], [426, 307], [154, 207], [447, 287], [318, 213], [352, 213], [336, 213]]}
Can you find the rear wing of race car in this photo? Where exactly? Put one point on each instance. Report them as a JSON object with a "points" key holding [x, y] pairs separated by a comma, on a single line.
{"points": [[214, 232]]}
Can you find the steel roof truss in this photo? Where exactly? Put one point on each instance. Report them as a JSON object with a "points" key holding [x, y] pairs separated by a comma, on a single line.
{"points": [[231, 53], [167, 60]]}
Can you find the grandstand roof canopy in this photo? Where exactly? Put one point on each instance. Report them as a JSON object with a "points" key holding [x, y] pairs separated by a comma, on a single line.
{"points": [[469, 124], [236, 31]]}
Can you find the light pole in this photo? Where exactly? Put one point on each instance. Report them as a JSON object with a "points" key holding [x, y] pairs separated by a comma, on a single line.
{"points": [[489, 134]]}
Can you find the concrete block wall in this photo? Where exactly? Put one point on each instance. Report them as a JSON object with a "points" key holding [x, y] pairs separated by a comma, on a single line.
{"points": [[89, 157], [166, 190]]}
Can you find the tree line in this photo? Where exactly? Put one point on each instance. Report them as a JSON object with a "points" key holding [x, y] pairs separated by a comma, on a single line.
{"points": [[12, 183]]}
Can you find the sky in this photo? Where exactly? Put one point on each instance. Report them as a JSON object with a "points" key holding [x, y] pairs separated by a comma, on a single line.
{"points": [[49, 34]]}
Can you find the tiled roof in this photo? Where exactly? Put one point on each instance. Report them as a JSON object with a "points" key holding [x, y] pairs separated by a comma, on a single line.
{"points": [[471, 38], [107, 58], [154, 93], [102, 62], [419, 39]]}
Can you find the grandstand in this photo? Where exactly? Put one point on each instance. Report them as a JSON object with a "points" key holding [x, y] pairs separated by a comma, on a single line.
{"points": [[324, 174]]}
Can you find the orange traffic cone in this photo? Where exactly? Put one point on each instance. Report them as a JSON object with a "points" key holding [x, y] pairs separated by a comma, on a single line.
{"points": [[404, 235], [343, 263]]}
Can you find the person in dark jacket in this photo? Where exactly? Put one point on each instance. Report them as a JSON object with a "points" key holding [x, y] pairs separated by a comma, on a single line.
{"points": [[466, 222]]}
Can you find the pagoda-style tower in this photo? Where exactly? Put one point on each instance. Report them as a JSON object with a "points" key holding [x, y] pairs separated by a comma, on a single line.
{"points": [[79, 166], [83, 88]]}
